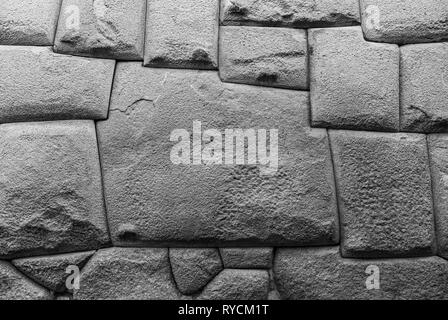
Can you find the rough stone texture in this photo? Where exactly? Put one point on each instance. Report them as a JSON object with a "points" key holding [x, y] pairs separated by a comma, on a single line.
{"points": [[42, 85], [127, 274], [405, 21], [276, 57], [152, 200], [438, 154], [354, 83], [28, 22], [384, 190], [290, 13], [321, 274], [108, 28], [256, 258], [50, 271], [50, 189], [194, 268], [234, 284], [424, 90], [14, 286], [182, 34]]}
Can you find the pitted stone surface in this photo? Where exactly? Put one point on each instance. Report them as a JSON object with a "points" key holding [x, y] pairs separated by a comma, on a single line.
{"points": [[127, 274], [290, 13], [384, 189], [42, 85], [424, 87], [256, 258], [194, 268], [152, 200], [320, 273], [14, 286], [112, 29], [28, 22], [405, 21], [276, 57], [50, 189], [234, 284], [354, 83], [182, 34], [50, 271]]}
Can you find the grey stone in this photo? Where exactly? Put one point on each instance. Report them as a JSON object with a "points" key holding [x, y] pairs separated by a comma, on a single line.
{"points": [[28, 22], [50, 189], [290, 13], [194, 268], [276, 57], [112, 29], [151, 200], [256, 258], [438, 154], [384, 189], [320, 273], [234, 284], [424, 87], [182, 34], [50, 271], [405, 21], [42, 85], [14, 286], [127, 274], [354, 83]]}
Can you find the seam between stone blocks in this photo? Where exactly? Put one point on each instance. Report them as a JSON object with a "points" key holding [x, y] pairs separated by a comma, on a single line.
{"points": [[434, 218]]}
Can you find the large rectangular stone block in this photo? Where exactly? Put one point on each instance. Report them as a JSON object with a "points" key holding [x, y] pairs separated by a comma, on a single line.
{"points": [[150, 199]]}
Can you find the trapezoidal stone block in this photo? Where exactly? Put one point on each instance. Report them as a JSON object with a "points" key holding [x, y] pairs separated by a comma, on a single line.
{"points": [[111, 29], [28, 22], [51, 198], [37, 84], [384, 191], [155, 197], [354, 84], [405, 21]]}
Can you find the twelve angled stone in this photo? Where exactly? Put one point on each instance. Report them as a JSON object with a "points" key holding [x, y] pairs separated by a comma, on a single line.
{"points": [[354, 83], [42, 85], [50, 271], [182, 34], [112, 29], [51, 196], [28, 22], [256, 258], [405, 21], [320, 273], [384, 188], [290, 13], [153, 200], [276, 57], [424, 87]]}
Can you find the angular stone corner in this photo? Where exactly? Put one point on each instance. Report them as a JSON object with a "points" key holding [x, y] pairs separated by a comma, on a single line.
{"points": [[51, 197], [424, 87], [384, 190], [402, 22], [50, 271], [234, 284], [290, 13], [128, 274], [247, 258], [42, 85], [194, 268], [111, 29], [354, 83], [276, 57], [152, 200], [28, 23], [182, 34], [321, 274]]}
